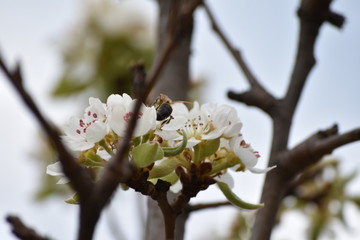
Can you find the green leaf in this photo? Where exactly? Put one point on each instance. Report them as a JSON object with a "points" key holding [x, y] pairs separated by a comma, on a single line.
{"points": [[209, 147], [170, 178], [235, 199], [147, 153], [164, 168], [73, 200], [173, 151], [93, 160]]}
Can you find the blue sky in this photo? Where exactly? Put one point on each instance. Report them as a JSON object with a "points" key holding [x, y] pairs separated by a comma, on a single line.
{"points": [[266, 33]]}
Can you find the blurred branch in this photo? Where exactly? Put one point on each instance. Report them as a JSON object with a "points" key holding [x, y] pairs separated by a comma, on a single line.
{"points": [[174, 82], [81, 180], [118, 169], [22, 231], [204, 206]]}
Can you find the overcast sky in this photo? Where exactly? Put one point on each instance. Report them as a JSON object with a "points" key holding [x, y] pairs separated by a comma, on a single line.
{"points": [[266, 33]]}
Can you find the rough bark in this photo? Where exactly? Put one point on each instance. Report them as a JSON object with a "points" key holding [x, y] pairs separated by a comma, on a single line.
{"points": [[174, 82]]}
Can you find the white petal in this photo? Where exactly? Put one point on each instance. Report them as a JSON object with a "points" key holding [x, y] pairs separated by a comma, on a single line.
{"points": [[195, 111], [168, 135], [233, 130], [214, 134], [71, 126], [113, 100], [104, 154], [95, 132], [98, 107], [116, 120], [257, 170], [175, 124], [192, 142], [179, 109], [226, 178], [63, 180], [146, 122], [247, 157], [127, 99], [54, 169]]}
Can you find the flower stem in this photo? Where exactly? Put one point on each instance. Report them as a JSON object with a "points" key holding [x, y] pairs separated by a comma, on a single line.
{"points": [[197, 153], [106, 147]]}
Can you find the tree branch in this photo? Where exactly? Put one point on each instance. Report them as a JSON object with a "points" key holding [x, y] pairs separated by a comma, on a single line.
{"points": [[314, 148], [174, 82], [22, 231], [312, 14], [204, 206], [232, 50], [257, 95], [81, 180]]}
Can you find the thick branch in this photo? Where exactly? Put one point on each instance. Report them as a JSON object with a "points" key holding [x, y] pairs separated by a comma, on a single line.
{"points": [[312, 14], [257, 97], [174, 82], [314, 148], [22, 231]]}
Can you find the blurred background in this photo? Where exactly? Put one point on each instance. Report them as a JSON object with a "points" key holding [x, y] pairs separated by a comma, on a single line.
{"points": [[94, 42]]}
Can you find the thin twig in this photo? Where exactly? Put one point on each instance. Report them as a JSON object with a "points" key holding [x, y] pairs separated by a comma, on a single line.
{"points": [[22, 231], [257, 95], [234, 52], [204, 206]]}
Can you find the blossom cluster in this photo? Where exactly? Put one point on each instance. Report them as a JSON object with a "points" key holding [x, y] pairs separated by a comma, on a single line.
{"points": [[208, 133]]}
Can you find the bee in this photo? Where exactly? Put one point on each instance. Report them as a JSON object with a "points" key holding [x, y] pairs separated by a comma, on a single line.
{"points": [[163, 107]]}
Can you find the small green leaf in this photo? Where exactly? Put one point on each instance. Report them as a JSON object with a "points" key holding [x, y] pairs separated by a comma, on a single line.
{"points": [[170, 178], [93, 160], [147, 153], [73, 200], [173, 151], [235, 199], [106, 147], [164, 168], [209, 147]]}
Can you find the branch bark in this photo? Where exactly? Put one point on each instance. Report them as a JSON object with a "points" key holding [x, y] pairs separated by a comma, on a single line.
{"points": [[81, 180], [22, 231], [312, 14], [174, 82]]}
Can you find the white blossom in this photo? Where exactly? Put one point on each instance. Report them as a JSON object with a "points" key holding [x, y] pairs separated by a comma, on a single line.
{"points": [[82, 133], [247, 155], [210, 121], [119, 113], [56, 170]]}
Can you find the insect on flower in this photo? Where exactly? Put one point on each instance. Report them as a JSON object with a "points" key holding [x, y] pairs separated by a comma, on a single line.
{"points": [[163, 107]]}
